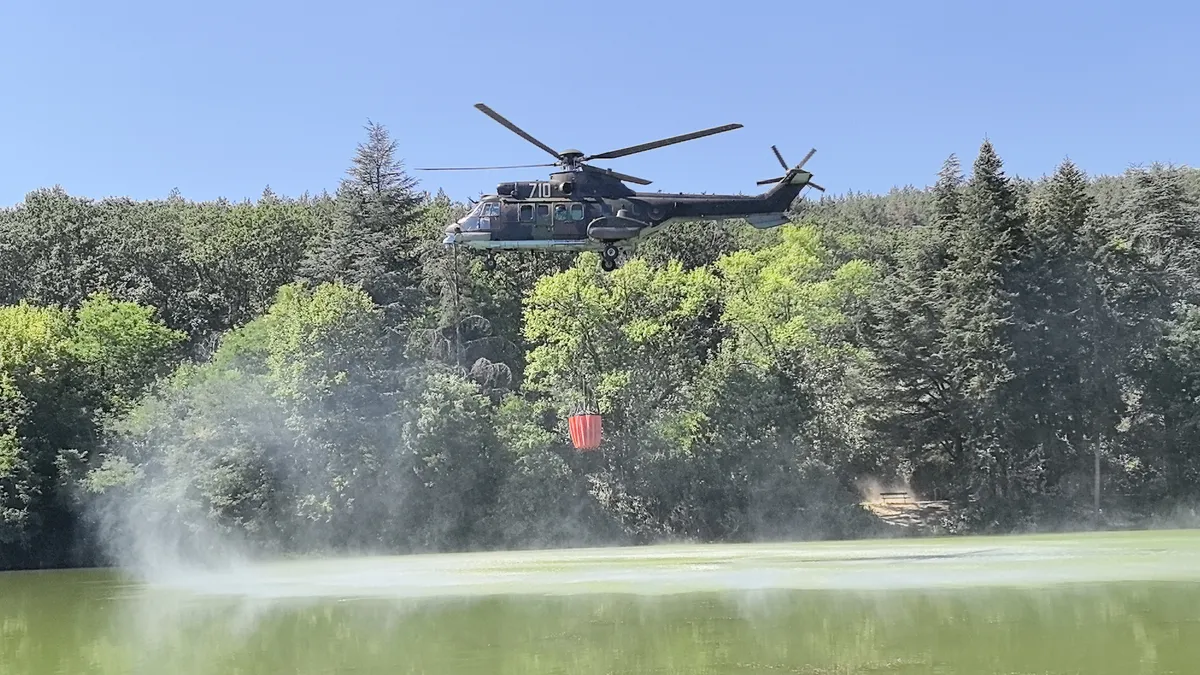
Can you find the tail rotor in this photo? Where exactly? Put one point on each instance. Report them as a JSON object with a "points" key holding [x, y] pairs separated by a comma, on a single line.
{"points": [[788, 171]]}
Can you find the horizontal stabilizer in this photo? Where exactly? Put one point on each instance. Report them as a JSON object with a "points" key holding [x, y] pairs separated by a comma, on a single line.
{"points": [[764, 221]]}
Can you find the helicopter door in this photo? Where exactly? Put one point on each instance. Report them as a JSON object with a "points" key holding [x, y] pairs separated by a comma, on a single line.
{"points": [[569, 220], [525, 221], [543, 228], [509, 222]]}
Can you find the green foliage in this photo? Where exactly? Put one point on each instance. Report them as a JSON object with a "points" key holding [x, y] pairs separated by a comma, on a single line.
{"points": [[320, 374], [783, 302], [60, 371], [315, 339], [121, 344], [631, 337]]}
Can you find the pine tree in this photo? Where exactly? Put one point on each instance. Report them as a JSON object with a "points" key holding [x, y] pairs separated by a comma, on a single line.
{"points": [[1163, 223], [1070, 362], [979, 289], [1157, 282], [979, 307], [918, 398], [947, 198], [947, 214], [371, 242]]}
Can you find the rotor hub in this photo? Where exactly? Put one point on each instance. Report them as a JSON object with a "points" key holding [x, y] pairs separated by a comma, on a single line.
{"points": [[571, 157]]}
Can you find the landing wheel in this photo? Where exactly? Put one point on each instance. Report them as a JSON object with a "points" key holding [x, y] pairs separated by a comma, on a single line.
{"points": [[489, 262], [608, 257]]}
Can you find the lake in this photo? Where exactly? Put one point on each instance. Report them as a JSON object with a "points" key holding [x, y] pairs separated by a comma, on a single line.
{"points": [[1094, 604]]}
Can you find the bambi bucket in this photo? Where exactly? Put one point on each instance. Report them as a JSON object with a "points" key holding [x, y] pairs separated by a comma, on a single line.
{"points": [[585, 431]]}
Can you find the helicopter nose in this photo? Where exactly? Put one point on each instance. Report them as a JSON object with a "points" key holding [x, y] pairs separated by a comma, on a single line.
{"points": [[453, 228]]}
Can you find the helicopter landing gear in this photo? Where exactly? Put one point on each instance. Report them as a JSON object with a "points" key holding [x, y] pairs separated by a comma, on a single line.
{"points": [[489, 261], [608, 257]]}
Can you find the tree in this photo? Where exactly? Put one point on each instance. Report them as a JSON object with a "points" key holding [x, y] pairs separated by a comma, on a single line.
{"points": [[919, 402], [371, 242], [1070, 365], [980, 285], [61, 373]]}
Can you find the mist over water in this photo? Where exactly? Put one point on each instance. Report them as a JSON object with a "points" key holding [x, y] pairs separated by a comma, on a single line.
{"points": [[1105, 603], [193, 595], [659, 570]]}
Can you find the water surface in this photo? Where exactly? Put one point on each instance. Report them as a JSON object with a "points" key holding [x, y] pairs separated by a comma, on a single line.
{"points": [[1090, 604]]}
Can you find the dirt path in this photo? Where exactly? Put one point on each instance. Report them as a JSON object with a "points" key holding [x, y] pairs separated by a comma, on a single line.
{"points": [[901, 510]]}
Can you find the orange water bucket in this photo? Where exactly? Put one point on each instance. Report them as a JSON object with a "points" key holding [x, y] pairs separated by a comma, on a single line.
{"points": [[585, 431]]}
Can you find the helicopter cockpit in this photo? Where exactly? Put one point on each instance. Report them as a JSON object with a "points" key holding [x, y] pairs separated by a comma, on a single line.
{"points": [[476, 225]]}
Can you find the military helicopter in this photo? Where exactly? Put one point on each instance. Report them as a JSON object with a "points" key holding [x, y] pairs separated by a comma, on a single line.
{"points": [[582, 207]]}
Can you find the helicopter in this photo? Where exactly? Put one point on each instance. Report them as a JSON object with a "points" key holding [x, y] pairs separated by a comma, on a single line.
{"points": [[582, 207]]}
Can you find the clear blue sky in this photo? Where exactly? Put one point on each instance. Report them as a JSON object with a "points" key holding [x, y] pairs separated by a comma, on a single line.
{"points": [[221, 98]]}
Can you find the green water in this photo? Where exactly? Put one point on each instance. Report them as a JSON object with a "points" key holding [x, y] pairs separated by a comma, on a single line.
{"points": [[1094, 604]]}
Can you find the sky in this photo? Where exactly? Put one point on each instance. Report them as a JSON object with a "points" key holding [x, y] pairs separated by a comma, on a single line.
{"points": [[223, 98]]}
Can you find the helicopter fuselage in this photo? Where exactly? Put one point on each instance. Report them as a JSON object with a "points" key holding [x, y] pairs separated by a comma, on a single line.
{"points": [[588, 210]]}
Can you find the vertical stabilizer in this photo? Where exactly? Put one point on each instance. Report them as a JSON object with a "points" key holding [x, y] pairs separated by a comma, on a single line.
{"points": [[788, 186]]}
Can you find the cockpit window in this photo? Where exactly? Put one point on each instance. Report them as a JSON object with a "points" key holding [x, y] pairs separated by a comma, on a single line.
{"points": [[491, 209]]}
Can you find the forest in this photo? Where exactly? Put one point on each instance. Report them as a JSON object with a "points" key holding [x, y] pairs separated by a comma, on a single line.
{"points": [[319, 375]]}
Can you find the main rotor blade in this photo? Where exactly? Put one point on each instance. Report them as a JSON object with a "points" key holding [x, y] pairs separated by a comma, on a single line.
{"points": [[617, 174], [484, 168], [613, 154], [629, 179], [515, 129]]}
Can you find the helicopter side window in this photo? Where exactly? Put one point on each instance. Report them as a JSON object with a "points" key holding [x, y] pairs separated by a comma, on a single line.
{"points": [[543, 211], [576, 211], [491, 209], [526, 215], [560, 213]]}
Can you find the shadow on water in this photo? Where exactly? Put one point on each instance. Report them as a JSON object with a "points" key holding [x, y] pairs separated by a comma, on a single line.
{"points": [[96, 622]]}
